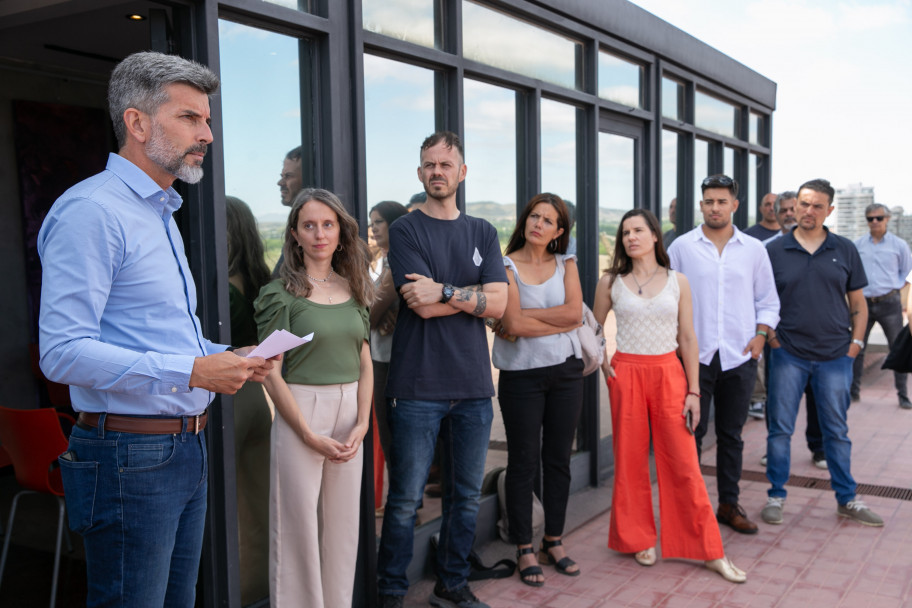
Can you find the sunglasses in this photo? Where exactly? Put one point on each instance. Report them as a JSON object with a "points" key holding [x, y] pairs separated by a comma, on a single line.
{"points": [[717, 181], [875, 218]]}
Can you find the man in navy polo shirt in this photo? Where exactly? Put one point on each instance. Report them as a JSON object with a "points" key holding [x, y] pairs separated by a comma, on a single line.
{"points": [[815, 272]]}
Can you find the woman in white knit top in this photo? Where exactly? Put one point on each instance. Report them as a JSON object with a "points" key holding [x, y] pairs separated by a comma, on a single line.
{"points": [[649, 389]]}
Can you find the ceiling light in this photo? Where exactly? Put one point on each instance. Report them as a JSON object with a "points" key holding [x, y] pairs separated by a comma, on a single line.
{"points": [[135, 17]]}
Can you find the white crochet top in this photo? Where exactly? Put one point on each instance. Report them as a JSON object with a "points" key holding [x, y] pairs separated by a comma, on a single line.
{"points": [[646, 326]]}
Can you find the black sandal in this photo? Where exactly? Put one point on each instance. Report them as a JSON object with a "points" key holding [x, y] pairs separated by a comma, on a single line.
{"points": [[531, 570], [561, 565]]}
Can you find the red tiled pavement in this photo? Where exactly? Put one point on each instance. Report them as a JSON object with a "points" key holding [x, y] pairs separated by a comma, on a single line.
{"points": [[813, 559]]}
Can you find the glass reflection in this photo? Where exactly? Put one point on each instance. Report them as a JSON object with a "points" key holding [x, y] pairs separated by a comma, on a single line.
{"points": [[728, 156], [305, 6], [619, 80], [672, 99], [398, 115], [254, 62], [501, 41], [701, 170], [616, 178], [753, 196], [754, 128], [409, 20], [714, 114], [558, 155], [670, 224]]}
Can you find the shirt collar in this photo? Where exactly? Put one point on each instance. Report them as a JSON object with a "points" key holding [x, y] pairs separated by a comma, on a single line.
{"points": [[736, 236], [790, 242], [165, 202]]}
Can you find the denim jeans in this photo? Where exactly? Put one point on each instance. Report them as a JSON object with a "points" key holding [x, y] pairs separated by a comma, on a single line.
{"points": [[888, 313], [830, 382], [139, 501], [464, 427]]}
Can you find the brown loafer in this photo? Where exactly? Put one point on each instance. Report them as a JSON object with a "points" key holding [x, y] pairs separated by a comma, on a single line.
{"points": [[733, 515]]}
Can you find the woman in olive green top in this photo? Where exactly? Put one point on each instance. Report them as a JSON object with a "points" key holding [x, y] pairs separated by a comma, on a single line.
{"points": [[322, 402]]}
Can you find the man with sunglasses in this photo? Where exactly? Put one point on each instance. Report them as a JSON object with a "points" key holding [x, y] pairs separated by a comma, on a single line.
{"points": [[819, 277], [887, 261], [735, 307]]}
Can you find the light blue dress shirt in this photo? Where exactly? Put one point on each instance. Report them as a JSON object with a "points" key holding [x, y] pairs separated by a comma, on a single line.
{"points": [[886, 263], [118, 303]]}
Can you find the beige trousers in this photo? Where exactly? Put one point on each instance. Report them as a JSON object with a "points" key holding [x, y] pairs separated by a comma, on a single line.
{"points": [[314, 506]]}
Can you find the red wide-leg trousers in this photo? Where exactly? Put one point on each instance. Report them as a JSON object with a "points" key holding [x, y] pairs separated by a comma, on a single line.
{"points": [[649, 390]]}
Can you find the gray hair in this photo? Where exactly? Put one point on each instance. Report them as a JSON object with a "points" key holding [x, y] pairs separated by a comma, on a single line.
{"points": [[877, 207], [784, 196], [140, 82]]}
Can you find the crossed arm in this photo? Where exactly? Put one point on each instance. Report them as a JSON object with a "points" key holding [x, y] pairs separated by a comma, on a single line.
{"points": [[423, 296]]}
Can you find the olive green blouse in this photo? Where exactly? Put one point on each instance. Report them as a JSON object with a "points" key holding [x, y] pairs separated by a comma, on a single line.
{"points": [[340, 330]]}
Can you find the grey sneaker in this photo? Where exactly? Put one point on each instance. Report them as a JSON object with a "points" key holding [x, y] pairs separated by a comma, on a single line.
{"points": [[772, 512], [763, 461], [904, 403], [391, 601], [755, 410], [857, 510], [460, 598]]}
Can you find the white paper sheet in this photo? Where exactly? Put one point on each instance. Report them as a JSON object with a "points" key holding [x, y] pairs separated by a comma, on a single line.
{"points": [[278, 342]]}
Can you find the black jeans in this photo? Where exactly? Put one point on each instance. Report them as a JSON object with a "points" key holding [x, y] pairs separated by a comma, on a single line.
{"points": [[732, 391], [887, 312], [540, 408]]}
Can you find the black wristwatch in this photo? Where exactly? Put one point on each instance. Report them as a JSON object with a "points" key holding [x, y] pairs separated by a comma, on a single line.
{"points": [[448, 291]]}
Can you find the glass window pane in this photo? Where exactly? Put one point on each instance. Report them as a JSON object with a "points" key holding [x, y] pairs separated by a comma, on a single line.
{"points": [[753, 197], [714, 115], [398, 115], [409, 20], [501, 41], [558, 154], [490, 144], [669, 180], [728, 157], [619, 80], [701, 171], [672, 99], [253, 61], [755, 128], [305, 6]]}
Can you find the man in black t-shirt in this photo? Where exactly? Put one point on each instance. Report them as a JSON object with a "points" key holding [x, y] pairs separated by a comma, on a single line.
{"points": [[440, 373]]}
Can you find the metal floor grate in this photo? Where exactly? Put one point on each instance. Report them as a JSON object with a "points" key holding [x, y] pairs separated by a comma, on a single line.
{"points": [[816, 483]]}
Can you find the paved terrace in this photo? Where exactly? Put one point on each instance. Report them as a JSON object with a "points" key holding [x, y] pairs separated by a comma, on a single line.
{"points": [[813, 559]]}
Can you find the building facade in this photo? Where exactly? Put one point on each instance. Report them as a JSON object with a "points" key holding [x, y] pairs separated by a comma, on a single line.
{"points": [[600, 102], [850, 210]]}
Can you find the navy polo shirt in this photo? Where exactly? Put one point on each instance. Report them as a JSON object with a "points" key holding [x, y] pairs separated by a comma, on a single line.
{"points": [[812, 288]]}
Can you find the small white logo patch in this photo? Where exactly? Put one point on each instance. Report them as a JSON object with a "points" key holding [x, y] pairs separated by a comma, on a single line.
{"points": [[477, 257]]}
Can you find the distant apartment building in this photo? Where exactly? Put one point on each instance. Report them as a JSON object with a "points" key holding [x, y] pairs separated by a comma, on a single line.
{"points": [[900, 223], [850, 206]]}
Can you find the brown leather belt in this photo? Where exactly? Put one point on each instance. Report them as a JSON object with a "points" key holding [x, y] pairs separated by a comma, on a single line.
{"points": [[877, 299], [145, 426]]}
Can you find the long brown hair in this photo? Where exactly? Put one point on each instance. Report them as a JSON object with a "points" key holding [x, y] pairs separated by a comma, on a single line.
{"points": [[350, 261], [557, 245], [245, 248], [622, 263]]}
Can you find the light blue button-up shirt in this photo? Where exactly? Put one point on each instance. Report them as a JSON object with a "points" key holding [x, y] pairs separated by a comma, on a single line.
{"points": [[118, 303], [886, 263], [732, 292]]}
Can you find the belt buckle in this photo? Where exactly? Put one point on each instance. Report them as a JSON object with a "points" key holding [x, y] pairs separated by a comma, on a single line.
{"points": [[196, 424]]}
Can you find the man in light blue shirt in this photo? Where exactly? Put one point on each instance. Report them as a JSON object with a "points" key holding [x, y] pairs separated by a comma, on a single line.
{"points": [[886, 261], [118, 324]]}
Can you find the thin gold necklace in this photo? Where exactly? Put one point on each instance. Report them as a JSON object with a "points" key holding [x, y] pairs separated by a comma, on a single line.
{"points": [[322, 282]]}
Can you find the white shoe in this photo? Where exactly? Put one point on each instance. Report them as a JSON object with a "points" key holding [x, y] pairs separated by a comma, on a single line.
{"points": [[727, 570]]}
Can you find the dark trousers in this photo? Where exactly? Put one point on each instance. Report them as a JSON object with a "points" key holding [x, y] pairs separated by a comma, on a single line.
{"points": [[731, 390], [887, 312], [540, 408]]}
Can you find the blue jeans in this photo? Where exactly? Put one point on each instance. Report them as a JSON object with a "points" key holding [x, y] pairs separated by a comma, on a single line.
{"points": [[464, 427], [830, 382], [139, 501]]}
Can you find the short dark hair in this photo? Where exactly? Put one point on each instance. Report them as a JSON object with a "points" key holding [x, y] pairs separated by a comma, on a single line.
{"points": [[448, 138], [720, 180], [390, 211], [140, 82], [559, 244], [294, 154], [819, 185]]}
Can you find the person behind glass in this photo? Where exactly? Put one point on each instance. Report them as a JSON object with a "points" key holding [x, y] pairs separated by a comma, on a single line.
{"points": [[323, 403], [291, 181], [383, 312], [541, 378], [649, 389], [247, 273]]}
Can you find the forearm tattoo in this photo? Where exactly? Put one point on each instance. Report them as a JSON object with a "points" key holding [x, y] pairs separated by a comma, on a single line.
{"points": [[463, 295], [481, 306]]}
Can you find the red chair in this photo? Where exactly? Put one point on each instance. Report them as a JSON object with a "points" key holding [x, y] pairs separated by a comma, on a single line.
{"points": [[33, 439]]}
